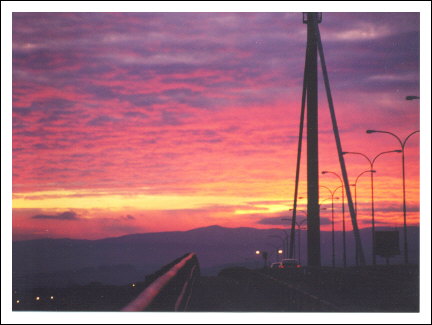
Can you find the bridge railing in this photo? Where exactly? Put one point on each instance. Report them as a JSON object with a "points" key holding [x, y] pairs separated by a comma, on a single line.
{"points": [[171, 287]]}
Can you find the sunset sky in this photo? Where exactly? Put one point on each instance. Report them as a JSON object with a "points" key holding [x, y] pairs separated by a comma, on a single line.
{"points": [[140, 122]]}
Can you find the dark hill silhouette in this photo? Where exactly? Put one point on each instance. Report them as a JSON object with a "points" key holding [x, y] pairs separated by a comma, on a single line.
{"points": [[128, 258]]}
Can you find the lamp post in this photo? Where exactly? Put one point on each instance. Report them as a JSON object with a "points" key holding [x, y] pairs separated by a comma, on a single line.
{"points": [[299, 228], [278, 250], [286, 247], [355, 186], [355, 199], [292, 230], [371, 164], [402, 144], [343, 214], [264, 256], [293, 224], [332, 193]]}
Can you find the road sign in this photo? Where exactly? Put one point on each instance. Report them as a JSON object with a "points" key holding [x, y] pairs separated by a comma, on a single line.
{"points": [[387, 243]]}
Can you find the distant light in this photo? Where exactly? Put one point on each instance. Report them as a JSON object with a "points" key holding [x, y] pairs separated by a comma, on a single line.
{"points": [[18, 301], [52, 297], [133, 284], [257, 252], [37, 298], [280, 251]]}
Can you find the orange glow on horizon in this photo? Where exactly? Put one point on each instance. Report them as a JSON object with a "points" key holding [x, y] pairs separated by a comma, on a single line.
{"points": [[166, 127]]}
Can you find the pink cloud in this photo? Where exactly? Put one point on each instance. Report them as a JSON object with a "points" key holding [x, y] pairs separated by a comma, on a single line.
{"points": [[203, 103]]}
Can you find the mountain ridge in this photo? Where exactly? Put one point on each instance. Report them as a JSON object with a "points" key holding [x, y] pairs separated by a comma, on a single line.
{"points": [[147, 252]]}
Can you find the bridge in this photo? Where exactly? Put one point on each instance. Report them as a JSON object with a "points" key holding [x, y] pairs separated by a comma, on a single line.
{"points": [[178, 286]]}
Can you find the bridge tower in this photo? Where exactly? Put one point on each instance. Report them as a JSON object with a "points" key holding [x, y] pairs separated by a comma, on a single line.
{"points": [[312, 19], [310, 94]]}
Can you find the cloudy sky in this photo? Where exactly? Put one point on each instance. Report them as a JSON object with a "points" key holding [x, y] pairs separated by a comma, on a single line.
{"points": [[142, 122]]}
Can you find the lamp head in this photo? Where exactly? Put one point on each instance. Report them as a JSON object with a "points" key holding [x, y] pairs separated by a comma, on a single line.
{"points": [[324, 172], [399, 151], [373, 171], [370, 131]]}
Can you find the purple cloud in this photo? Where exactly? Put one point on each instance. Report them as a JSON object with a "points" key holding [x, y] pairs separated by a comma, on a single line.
{"points": [[68, 215], [134, 94]]}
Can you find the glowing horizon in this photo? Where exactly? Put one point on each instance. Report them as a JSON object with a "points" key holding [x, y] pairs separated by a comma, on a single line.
{"points": [[142, 122]]}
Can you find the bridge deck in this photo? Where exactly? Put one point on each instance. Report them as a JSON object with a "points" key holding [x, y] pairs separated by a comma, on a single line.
{"points": [[394, 289]]}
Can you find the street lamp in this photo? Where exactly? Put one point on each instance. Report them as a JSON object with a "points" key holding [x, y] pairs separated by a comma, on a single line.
{"points": [[292, 231], [343, 213], [332, 193], [278, 250], [264, 256], [355, 186], [402, 144], [286, 247], [355, 199], [279, 253], [299, 228], [412, 97], [371, 164]]}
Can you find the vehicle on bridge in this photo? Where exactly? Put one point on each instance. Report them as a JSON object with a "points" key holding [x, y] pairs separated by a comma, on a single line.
{"points": [[276, 265], [290, 263]]}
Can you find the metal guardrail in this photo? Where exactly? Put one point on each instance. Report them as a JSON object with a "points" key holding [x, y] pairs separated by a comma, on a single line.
{"points": [[171, 287]]}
